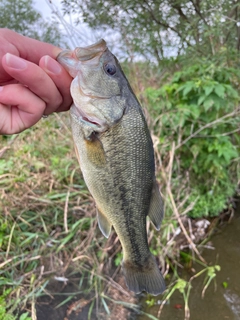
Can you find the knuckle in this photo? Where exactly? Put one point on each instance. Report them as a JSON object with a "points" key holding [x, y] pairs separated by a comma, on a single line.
{"points": [[54, 103], [58, 100]]}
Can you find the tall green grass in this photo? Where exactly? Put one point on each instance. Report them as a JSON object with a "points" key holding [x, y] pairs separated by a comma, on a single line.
{"points": [[48, 221]]}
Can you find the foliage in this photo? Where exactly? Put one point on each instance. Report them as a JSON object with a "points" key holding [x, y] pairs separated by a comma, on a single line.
{"points": [[5, 302], [20, 16], [48, 214], [198, 111], [185, 286], [3, 305], [163, 28], [48, 220], [48, 224]]}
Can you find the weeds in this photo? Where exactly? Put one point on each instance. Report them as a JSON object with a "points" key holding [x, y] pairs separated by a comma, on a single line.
{"points": [[48, 221], [184, 286], [198, 113], [48, 226]]}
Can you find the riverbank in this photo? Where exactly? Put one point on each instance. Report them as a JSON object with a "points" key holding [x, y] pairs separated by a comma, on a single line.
{"points": [[221, 299]]}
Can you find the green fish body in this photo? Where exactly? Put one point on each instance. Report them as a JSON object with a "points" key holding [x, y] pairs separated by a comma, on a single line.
{"points": [[115, 152]]}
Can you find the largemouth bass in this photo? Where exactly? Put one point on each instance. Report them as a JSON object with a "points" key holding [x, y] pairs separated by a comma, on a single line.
{"points": [[115, 152]]}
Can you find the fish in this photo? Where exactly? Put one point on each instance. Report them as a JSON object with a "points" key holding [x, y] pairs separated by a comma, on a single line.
{"points": [[115, 152]]}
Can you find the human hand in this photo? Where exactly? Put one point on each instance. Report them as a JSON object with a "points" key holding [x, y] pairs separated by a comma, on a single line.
{"points": [[32, 82]]}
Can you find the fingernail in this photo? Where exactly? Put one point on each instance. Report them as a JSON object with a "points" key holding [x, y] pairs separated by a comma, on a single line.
{"points": [[52, 65], [1, 88], [15, 62]]}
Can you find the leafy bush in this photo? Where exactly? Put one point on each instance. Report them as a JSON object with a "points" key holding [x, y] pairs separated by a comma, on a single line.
{"points": [[198, 110]]}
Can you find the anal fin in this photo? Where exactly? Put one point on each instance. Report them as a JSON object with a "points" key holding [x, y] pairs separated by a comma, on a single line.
{"points": [[156, 210], [103, 223]]}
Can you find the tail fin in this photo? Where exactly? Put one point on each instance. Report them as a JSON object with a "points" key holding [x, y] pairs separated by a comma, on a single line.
{"points": [[144, 278]]}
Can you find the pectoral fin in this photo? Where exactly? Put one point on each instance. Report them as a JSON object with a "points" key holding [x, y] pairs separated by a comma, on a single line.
{"points": [[95, 151], [156, 210], [103, 223], [77, 153]]}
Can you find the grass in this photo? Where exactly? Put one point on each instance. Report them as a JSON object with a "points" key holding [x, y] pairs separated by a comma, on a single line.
{"points": [[48, 222], [48, 225]]}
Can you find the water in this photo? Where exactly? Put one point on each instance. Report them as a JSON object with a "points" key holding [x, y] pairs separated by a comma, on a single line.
{"points": [[221, 301]]}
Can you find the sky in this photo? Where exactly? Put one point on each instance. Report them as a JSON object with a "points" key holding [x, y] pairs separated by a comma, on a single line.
{"points": [[81, 35], [43, 7], [76, 36]]}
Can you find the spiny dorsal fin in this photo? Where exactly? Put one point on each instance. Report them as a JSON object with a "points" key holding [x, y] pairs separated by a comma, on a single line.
{"points": [[103, 223], [156, 210]]}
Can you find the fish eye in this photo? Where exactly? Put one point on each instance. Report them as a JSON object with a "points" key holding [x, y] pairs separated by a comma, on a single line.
{"points": [[110, 69]]}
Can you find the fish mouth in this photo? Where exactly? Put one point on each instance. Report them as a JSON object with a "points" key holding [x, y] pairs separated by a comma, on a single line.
{"points": [[72, 61], [90, 52], [77, 112], [90, 55]]}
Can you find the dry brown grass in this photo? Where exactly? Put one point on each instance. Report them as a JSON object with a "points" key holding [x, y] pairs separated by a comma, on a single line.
{"points": [[47, 220]]}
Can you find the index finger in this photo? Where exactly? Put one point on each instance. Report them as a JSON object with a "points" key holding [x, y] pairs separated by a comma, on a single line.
{"points": [[28, 48], [24, 47], [34, 77]]}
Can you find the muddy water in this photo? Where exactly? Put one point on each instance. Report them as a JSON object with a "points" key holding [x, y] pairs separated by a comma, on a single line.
{"points": [[220, 302]]}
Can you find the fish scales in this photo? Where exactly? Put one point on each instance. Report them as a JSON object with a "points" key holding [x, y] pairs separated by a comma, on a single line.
{"points": [[116, 157], [120, 179]]}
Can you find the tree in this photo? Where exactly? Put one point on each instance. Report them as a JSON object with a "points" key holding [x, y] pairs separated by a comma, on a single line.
{"points": [[163, 28], [20, 16]]}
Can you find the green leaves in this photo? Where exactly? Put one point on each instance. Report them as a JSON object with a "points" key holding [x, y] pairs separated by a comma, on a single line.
{"points": [[187, 87], [159, 29], [223, 148], [21, 17], [220, 90], [198, 111]]}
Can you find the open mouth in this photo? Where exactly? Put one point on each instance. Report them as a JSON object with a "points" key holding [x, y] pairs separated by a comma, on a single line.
{"points": [[88, 118], [90, 121]]}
